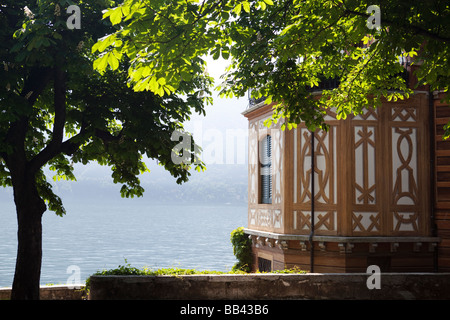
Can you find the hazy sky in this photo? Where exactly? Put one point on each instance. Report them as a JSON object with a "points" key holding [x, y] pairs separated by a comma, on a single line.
{"points": [[225, 113], [210, 132], [224, 127]]}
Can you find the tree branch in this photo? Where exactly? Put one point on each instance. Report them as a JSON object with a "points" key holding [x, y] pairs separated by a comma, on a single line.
{"points": [[34, 85], [69, 147], [410, 27], [53, 147], [106, 137]]}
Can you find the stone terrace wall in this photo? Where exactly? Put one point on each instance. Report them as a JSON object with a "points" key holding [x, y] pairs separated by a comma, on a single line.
{"points": [[397, 286], [57, 292], [394, 286]]}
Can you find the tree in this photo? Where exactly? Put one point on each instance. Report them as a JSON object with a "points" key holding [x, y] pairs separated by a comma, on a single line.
{"points": [[294, 45], [55, 110], [157, 47], [280, 50]]}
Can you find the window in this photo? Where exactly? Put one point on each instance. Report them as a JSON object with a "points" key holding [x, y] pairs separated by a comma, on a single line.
{"points": [[264, 265], [266, 169]]}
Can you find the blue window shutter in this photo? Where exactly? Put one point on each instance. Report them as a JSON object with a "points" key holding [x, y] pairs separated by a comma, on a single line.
{"points": [[266, 169]]}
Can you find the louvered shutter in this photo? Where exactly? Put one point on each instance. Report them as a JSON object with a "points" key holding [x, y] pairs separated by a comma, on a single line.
{"points": [[266, 169]]}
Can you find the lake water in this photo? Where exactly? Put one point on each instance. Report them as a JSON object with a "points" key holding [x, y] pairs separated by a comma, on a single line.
{"points": [[94, 237]]}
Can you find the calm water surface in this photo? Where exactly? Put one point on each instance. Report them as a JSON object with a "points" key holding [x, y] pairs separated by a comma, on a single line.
{"points": [[94, 237]]}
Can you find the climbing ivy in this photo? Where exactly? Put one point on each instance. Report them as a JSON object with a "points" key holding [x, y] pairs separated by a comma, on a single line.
{"points": [[242, 249]]}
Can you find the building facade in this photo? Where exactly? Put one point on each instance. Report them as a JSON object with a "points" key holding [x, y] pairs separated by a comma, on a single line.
{"points": [[373, 190]]}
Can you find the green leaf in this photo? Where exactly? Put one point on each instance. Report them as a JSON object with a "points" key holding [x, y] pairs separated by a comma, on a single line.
{"points": [[57, 36], [103, 43], [246, 6], [112, 61], [125, 10], [101, 63], [162, 81], [116, 16], [225, 55], [186, 76], [186, 61], [216, 54], [238, 9]]}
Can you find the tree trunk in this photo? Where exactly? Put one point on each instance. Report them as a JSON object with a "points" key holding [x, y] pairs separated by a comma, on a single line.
{"points": [[30, 208]]}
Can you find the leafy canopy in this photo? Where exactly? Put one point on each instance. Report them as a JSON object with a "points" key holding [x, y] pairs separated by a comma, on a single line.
{"points": [[296, 44], [281, 49], [56, 110]]}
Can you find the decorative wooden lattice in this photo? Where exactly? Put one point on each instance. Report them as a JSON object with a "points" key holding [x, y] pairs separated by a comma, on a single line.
{"points": [[265, 216], [370, 174], [325, 180]]}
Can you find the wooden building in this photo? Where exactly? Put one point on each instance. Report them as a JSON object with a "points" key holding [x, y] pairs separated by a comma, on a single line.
{"points": [[373, 190]]}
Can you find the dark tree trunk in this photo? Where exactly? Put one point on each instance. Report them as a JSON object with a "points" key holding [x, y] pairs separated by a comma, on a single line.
{"points": [[29, 205], [30, 208]]}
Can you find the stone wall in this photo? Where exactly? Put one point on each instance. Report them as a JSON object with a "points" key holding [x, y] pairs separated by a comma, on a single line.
{"points": [[417, 286], [393, 286], [57, 292]]}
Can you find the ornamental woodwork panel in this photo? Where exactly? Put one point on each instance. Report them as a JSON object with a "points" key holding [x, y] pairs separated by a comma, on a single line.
{"points": [[385, 175], [370, 174], [324, 167], [404, 165], [324, 221], [365, 168], [265, 217], [366, 185], [406, 221], [277, 163], [253, 177], [325, 179], [404, 113], [406, 199], [366, 221]]}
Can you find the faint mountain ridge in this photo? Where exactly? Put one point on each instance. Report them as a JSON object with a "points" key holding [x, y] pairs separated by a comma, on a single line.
{"points": [[225, 184]]}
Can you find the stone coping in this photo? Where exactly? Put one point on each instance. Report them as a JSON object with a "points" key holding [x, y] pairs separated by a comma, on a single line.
{"points": [[340, 239], [311, 286], [272, 286], [53, 292]]}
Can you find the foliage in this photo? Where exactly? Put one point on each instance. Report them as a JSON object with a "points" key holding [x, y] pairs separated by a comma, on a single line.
{"points": [[296, 44], [166, 41], [242, 249], [294, 270], [56, 110], [281, 49], [128, 270]]}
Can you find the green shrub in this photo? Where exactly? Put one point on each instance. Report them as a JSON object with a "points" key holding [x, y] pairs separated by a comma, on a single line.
{"points": [[242, 249], [295, 270], [128, 270]]}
